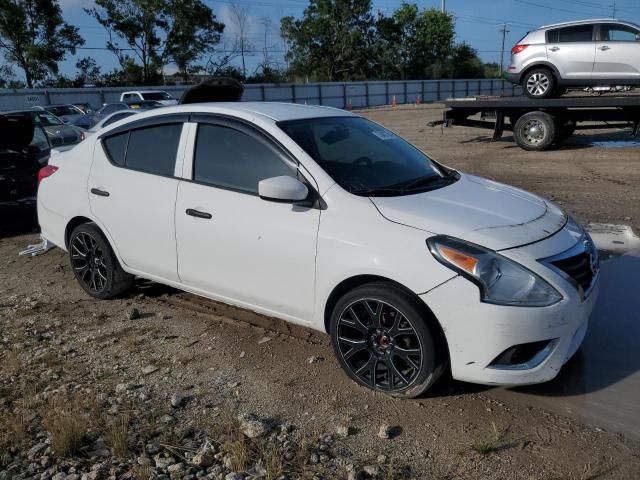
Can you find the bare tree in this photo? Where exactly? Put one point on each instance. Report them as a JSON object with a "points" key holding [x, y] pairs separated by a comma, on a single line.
{"points": [[240, 18]]}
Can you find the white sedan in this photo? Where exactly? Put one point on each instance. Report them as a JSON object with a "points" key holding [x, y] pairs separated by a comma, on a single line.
{"points": [[325, 219]]}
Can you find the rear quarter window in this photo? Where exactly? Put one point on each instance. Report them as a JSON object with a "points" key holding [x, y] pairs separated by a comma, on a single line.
{"points": [[116, 147]]}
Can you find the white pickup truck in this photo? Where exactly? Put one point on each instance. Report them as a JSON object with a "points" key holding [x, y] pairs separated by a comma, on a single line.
{"points": [[157, 95]]}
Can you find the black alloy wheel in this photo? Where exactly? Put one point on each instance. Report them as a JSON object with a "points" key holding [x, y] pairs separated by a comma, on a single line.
{"points": [[382, 341], [95, 265]]}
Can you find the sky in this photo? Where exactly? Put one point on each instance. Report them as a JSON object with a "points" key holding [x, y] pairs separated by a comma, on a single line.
{"points": [[478, 22]]}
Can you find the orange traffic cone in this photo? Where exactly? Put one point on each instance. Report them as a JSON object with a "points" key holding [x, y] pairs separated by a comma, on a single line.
{"points": [[394, 102]]}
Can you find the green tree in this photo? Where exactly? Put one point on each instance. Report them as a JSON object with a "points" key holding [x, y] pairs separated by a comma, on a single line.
{"points": [[152, 33], [34, 37], [192, 31], [332, 41]]}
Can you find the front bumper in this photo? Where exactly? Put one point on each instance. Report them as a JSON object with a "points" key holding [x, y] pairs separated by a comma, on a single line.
{"points": [[478, 333]]}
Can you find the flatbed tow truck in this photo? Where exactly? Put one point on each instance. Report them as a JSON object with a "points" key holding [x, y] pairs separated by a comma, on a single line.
{"points": [[537, 125]]}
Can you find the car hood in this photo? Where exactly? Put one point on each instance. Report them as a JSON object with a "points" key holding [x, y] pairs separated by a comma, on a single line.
{"points": [[477, 210]]}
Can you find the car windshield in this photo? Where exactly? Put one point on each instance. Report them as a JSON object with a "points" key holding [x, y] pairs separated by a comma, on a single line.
{"points": [[365, 158], [62, 110], [156, 96], [46, 119]]}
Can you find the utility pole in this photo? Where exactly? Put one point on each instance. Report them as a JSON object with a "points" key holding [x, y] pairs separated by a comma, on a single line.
{"points": [[614, 9], [504, 37], [443, 6]]}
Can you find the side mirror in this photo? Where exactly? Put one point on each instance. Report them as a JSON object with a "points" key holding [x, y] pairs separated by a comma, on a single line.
{"points": [[283, 189]]}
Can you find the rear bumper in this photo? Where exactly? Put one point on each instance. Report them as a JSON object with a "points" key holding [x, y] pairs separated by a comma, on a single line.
{"points": [[513, 77]]}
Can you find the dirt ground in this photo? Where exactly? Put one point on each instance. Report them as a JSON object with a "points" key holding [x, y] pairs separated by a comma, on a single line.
{"points": [[124, 362]]}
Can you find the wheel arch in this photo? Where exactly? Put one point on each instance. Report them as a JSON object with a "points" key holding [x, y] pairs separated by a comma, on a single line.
{"points": [[72, 224], [547, 65], [359, 280]]}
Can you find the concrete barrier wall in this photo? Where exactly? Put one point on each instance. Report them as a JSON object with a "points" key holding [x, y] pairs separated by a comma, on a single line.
{"points": [[333, 94]]}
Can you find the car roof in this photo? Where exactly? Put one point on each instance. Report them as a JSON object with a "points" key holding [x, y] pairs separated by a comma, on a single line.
{"points": [[587, 22], [275, 111]]}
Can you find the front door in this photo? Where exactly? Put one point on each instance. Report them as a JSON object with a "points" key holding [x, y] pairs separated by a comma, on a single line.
{"points": [[235, 246], [617, 53]]}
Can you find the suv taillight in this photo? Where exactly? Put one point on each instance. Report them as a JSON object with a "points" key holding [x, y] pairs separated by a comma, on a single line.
{"points": [[518, 48], [46, 171]]}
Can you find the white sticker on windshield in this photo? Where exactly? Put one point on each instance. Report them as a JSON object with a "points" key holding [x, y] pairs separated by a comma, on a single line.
{"points": [[383, 135]]}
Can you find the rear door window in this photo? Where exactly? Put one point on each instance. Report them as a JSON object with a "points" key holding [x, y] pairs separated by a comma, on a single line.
{"points": [[150, 149], [579, 33], [154, 149]]}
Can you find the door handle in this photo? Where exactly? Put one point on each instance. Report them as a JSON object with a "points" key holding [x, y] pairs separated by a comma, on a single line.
{"points": [[604, 48], [100, 193], [198, 214], [554, 49]]}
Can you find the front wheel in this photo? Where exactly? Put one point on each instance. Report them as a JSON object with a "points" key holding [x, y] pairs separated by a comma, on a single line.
{"points": [[95, 265], [539, 84], [383, 341]]}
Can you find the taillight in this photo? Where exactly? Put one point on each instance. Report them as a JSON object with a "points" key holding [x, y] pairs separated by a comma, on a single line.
{"points": [[518, 48], [82, 136], [46, 171]]}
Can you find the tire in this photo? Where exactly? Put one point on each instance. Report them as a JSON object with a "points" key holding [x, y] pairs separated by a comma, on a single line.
{"points": [[401, 354], [95, 265], [535, 131], [539, 83]]}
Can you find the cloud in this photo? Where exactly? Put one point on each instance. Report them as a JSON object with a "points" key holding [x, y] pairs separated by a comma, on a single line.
{"points": [[225, 15]]}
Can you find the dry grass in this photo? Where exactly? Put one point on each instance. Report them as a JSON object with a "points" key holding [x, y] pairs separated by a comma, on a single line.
{"points": [[118, 435], [489, 443], [66, 421], [142, 472], [273, 461], [13, 429], [240, 454], [12, 363]]}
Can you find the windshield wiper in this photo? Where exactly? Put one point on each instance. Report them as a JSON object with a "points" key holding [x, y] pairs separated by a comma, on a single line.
{"points": [[423, 181], [374, 192]]}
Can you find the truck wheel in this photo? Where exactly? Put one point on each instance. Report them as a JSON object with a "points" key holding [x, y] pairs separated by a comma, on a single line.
{"points": [[95, 265], [535, 131], [539, 83], [384, 342]]}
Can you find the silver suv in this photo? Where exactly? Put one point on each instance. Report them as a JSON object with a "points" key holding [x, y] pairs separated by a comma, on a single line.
{"points": [[585, 53]]}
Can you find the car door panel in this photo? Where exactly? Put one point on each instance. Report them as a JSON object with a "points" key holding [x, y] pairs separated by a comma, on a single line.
{"points": [[137, 210], [572, 51], [617, 53], [243, 249]]}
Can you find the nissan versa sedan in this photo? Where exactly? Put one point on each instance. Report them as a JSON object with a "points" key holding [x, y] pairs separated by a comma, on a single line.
{"points": [[328, 220]]}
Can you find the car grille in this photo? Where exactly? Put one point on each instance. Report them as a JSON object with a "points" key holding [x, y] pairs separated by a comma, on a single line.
{"points": [[579, 269], [580, 264]]}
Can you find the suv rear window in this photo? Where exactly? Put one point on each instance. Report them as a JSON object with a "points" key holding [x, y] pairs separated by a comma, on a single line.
{"points": [[579, 33]]}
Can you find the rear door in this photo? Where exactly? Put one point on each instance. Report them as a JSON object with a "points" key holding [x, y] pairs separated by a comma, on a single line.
{"points": [[572, 51], [617, 53], [233, 245], [132, 191]]}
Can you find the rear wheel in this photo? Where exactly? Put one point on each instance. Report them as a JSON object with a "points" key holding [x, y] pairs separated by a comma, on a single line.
{"points": [[95, 265], [539, 83], [535, 131], [383, 341]]}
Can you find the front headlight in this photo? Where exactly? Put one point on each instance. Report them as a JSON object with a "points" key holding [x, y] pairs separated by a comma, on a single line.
{"points": [[501, 281]]}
